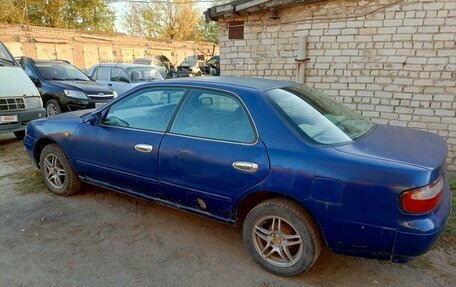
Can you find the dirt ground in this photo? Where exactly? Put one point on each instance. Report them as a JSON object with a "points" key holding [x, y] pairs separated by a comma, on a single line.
{"points": [[100, 238]]}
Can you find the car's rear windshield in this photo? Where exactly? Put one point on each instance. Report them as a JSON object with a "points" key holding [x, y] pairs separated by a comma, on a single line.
{"points": [[318, 117], [60, 71]]}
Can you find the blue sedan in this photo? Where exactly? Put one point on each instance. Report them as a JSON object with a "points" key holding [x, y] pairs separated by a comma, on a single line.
{"points": [[296, 169]]}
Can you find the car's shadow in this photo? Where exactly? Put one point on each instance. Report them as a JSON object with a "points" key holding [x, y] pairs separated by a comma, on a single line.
{"points": [[225, 243], [9, 138]]}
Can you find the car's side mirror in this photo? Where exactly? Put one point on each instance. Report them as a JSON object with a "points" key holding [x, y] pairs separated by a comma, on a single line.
{"points": [[94, 119], [35, 80], [124, 79]]}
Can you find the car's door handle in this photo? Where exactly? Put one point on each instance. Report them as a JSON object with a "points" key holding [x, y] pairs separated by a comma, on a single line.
{"points": [[245, 166], [144, 147], [110, 85]]}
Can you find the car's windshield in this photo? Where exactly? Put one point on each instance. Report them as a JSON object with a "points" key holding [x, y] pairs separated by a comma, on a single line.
{"points": [[143, 74], [188, 63], [5, 57], [318, 117], [60, 71]]}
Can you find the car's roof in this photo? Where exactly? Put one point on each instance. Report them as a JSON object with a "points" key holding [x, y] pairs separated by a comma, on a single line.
{"points": [[254, 83], [122, 65], [51, 61]]}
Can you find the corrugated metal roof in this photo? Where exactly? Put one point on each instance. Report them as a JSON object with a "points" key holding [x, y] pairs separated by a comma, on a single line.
{"points": [[252, 6]]}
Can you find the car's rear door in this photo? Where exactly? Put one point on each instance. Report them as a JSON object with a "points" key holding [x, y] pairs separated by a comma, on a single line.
{"points": [[211, 154], [122, 151]]}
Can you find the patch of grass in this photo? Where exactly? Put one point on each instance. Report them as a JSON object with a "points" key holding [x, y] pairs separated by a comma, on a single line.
{"points": [[449, 234], [423, 263], [453, 183], [21, 175], [30, 181]]}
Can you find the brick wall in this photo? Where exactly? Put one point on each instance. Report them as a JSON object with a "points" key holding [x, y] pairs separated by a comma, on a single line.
{"points": [[394, 61], [85, 49]]}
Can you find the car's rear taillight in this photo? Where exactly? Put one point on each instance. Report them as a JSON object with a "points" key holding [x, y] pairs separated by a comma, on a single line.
{"points": [[424, 199]]}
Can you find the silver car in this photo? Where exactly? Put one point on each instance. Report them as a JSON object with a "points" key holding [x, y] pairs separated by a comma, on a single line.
{"points": [[123, 77]]}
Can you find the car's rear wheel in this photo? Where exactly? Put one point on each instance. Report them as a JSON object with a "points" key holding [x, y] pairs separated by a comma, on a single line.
{"points": [[19, 135], [53, 108], [57, 172], [282, 237]]}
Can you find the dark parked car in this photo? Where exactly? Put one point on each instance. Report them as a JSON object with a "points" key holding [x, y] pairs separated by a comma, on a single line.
{"points": [[63, 87], [214, 64], [296, 168]]}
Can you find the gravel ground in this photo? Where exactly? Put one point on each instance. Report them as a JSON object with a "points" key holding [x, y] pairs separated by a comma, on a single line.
{"points": [[100, 238]]}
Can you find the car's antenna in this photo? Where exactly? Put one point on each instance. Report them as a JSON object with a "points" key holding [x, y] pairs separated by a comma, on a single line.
{"points": [[398, 116], [44, 51]]}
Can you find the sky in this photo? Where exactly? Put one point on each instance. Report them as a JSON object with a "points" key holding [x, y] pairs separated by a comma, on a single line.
{"points": [[119, 9]]}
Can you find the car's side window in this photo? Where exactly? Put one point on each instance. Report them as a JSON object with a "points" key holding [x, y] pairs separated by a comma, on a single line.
{"points": [[118, 75], [103, 74], [149, 109], [213, 115]]}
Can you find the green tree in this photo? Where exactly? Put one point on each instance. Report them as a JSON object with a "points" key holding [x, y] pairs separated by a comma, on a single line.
{"points": [[173, 20], [12, 12], [209, 31], [93, 15]]}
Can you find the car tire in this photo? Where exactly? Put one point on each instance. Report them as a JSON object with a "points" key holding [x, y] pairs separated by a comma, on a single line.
{"points": [[19, 135], [52, 108], [278, 224], [57, 172]]}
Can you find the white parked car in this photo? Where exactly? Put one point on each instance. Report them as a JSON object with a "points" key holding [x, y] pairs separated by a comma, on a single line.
{"points": [[20, 101], [122, 77], [163, 68]]}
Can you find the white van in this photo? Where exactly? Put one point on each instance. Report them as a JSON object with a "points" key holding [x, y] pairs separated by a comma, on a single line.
{"points": [[20, 101]]}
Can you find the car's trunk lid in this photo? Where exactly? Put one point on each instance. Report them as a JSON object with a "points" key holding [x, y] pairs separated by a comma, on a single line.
{"points": [[403, 145]]}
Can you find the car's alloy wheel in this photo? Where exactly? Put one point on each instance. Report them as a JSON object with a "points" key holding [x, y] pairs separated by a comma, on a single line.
{"points": [[52, 108], [282, 237], [277, 241], [57, 172]]}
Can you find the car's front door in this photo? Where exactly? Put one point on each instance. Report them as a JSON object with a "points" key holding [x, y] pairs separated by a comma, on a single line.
{"points": [[101, 75], [123, 149], [211, 154], [119, 81]]}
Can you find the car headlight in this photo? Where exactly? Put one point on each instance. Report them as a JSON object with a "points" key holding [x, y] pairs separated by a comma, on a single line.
{"points": [[114, 94], [75, 94], [33, 102]]}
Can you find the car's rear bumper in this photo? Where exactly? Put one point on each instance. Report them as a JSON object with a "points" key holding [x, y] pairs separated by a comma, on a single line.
{"points": [[416, 235], [23, 116]]}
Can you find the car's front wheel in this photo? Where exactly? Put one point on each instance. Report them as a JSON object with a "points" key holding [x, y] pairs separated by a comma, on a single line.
{"points": [[282, 237], [52, 108], [57, 172]]}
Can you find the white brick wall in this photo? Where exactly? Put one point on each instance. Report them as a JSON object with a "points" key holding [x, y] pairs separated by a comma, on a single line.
{"points": [[392, 61]]}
